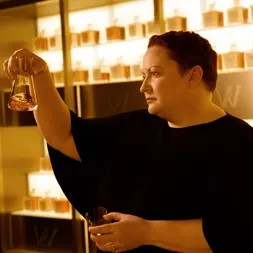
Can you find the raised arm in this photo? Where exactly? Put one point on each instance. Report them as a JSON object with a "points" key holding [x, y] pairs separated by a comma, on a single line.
{"points": [[52, 116]]}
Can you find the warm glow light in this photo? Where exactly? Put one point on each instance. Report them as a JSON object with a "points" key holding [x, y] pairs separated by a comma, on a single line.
{"points": [[223, 38], [42, 182], [43, 214], [249, 121], [118, 14]]}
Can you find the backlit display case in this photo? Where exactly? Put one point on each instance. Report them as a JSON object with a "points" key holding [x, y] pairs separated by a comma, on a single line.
{"points": [[105, 57]]}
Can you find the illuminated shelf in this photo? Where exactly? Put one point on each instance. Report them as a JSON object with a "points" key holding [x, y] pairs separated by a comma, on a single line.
{"points": [[242, 70], [92, 46], [103, 82], [236, 26], [44, 214]]}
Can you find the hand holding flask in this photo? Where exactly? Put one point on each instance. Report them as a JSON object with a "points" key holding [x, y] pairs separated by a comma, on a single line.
{"points": [[22, 67], [23, 96]]}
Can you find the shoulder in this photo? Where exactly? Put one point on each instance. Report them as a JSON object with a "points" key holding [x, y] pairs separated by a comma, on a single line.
{"points": [[238, 132]]}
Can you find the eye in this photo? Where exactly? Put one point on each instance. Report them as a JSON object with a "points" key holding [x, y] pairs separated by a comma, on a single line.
{"points": [[154, 73]]}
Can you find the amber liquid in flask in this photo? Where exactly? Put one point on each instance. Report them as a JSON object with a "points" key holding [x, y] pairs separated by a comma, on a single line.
{"points": [[23, 95]]}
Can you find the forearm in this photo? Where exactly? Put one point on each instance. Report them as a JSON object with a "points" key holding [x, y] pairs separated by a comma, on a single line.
{"points": [[52, 115], [185, 236]]}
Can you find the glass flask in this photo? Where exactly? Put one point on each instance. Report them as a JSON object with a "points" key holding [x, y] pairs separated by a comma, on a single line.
{"points": [[22, 96], [95, 217]]}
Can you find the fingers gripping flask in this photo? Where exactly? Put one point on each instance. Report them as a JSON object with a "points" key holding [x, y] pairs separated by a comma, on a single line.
{"points": [[23, 96]]}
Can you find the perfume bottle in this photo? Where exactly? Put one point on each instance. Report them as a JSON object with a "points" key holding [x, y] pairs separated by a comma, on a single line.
{"points": [[120, 70], [136, 29], [61, 204], [251, 12], [248, 58], [41, 42], [45, 203], [104, 71], [219, 62], [177, 22], [237, 14], [55, 42], [233, 59], [213, 18], [115, 32], [23, 97], [152, 28], [100, 72], [80, 74], [30, 203], [136, 68], [74, 38], [45, 164], [89, 36], [58, 76]]}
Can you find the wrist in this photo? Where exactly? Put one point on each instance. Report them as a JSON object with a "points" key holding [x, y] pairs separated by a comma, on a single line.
{"points": [[148, 231]]}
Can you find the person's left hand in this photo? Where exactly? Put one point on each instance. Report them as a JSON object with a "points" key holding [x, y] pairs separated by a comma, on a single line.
{"points": [[128, 232]]}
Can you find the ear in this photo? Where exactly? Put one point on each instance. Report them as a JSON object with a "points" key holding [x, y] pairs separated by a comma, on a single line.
{"points": [[195, 76]]}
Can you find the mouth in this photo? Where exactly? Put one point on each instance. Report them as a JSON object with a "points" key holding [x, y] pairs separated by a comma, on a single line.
{"points": [[150, 100]]}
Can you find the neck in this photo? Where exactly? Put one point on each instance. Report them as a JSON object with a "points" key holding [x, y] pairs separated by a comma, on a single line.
{"points": [[195, 114]]}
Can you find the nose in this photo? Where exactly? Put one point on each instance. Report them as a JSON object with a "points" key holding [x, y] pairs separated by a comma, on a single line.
{"points": [[145, 86]]}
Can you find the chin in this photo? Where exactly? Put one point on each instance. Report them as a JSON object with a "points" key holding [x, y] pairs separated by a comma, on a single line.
{"points": [[153, 109]]}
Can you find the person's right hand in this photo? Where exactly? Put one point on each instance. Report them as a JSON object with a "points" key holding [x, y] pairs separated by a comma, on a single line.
{"points": [[31, 64]]}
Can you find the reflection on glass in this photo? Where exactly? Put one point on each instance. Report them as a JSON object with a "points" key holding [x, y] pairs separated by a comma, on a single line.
{"points": [[23, 96]]}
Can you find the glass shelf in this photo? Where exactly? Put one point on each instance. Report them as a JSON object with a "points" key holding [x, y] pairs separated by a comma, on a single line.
{"points": [[44, 214]]}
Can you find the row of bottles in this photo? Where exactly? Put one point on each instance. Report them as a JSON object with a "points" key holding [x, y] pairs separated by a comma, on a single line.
{"points": [[235, 59], [102, 72], [122, 71], [236, 15], [46, 203], [91, 36]]}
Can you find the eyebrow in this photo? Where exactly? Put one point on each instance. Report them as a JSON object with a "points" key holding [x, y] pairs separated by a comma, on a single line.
{"points": [[153, 66]]}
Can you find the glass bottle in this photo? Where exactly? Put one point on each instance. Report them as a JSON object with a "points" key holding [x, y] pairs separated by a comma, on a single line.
{"points": [[23, 97], [152, 28], [74, 38], [136, 69], [120, 70], [213, 18], [177, 22], [61, 204], [80, 74], [55, 41], [237, 14], [58, 76], [89, 36], [45, 164], [232, 60], [100, 72], [248, 58], [115, 32], [136, 29], [45, 203], [31, 201], [41, 42]]}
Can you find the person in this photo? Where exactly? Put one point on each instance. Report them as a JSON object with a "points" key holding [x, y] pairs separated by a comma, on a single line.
{"points": [[174, 177]]}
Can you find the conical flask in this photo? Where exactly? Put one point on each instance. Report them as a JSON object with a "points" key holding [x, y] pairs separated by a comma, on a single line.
{"points": [[23, 96]]}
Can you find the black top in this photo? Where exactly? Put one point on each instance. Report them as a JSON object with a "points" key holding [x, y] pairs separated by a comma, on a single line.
{"points": [[135, 163]]}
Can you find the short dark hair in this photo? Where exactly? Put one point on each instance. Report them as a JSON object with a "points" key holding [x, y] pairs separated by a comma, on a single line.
{"points": [[189, 49]]}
